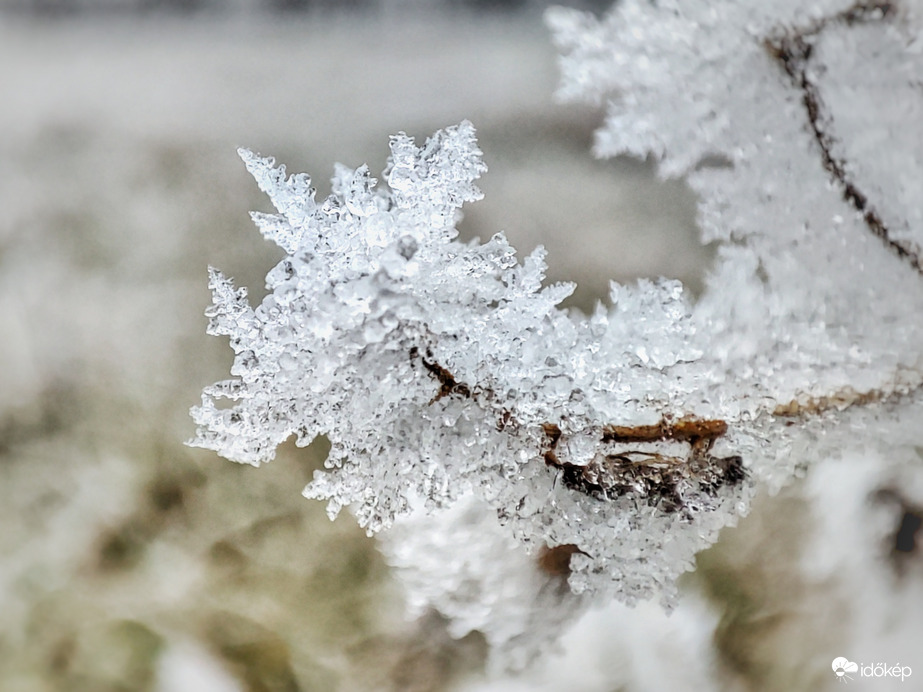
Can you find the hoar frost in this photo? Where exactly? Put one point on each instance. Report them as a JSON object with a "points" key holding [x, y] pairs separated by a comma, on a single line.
{"points": [[612, 447], [439, 370]]}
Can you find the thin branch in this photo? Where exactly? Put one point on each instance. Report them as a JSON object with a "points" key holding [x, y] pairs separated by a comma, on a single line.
{"points": [[793, 51]]}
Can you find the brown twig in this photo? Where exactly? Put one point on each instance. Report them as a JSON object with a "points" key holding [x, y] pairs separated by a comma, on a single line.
{"points": [[649, 474], [447, 383], [793, 50]]}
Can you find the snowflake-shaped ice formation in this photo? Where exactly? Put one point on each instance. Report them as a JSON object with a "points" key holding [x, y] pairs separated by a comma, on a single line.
{"points": [[619, 444], [439, 370]]}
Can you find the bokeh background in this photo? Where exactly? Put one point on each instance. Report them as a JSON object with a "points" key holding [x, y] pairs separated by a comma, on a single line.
{"points": [[131, 562]]}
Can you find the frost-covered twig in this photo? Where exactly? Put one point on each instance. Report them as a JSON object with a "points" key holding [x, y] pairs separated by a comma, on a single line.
{"points": [[793, 50], [618, 444]]}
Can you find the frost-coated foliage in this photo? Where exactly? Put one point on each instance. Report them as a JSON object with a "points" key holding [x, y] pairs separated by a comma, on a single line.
{"points": [[612, 447]]}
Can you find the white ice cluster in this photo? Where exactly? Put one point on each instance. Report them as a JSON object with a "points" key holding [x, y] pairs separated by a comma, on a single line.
{"points": [[612, 447], [799, 126], [439, 370]]}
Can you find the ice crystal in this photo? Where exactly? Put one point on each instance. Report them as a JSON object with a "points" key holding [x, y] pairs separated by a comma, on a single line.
{"points": [[440, 370], [461, 562], [620, 443]]}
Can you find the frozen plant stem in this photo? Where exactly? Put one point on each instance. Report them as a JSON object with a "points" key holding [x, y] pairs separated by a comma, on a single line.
{"points": [[450, 384], [793, 51]]}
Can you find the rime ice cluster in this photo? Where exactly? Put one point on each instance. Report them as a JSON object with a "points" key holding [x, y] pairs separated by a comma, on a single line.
{"points": [[798, 126], [445, 372], [463, 564], [439, 370]]}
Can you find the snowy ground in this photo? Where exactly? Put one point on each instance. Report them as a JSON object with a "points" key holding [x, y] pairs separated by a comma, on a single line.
{"points": [[132, 562]]}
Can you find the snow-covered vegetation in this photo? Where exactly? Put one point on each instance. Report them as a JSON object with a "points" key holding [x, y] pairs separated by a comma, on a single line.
{"points": [[132, 562], [614, 447]]}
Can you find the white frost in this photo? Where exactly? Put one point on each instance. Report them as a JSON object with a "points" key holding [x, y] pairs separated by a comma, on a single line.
{"points": [[441, 371]]}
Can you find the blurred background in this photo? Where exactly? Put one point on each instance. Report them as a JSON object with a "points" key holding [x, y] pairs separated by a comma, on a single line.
{"points": [[130, 562]]}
